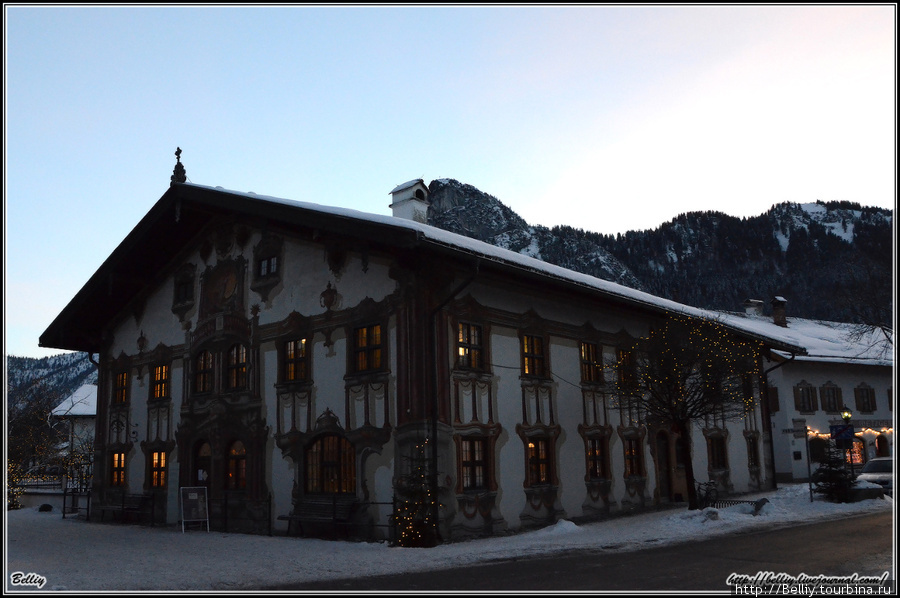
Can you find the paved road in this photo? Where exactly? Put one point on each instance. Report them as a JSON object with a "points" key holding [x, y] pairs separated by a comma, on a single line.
{"points": [[860, 544]]}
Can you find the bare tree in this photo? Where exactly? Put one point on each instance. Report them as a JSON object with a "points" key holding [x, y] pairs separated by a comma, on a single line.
{"points": [[33, 435], [684, 371], [866, 295]]}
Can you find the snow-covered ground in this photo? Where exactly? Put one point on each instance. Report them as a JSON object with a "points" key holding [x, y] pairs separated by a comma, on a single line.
{"points": [[73, 555]]}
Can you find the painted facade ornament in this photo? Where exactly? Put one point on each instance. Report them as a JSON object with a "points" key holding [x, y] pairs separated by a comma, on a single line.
{"points": [[329, 298]]}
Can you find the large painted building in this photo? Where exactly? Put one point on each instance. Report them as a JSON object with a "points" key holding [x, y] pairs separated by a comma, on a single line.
{"points": [[274, 352]]}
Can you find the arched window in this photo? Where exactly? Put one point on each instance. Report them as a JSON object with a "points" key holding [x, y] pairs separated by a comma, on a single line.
{"points": [[203, 371], [237, 368], [331, 466], [236, 478]]}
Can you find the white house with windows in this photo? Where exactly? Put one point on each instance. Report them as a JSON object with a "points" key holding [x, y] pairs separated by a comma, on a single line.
{"points": [[78, 413], [846, 367], [285, 354]]}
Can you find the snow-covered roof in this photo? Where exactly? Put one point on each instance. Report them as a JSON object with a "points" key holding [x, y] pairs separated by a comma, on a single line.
{"points": [[82, 402], [406, 185], [832, 342], [438, 237]]}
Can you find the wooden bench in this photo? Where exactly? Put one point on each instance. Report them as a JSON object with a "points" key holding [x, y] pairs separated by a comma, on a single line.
{"points": [[130, 505], [334, 510]]}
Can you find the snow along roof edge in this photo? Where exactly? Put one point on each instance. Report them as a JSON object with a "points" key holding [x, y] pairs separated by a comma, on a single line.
{"points": [[454, 241]]}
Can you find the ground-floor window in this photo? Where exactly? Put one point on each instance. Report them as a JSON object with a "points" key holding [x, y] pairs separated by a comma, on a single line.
{"points": [[539, 461], [718, 455], [331, 466], [634, 457], [596, 458], [753, 451], [117, 469], [473, 463], [158, 469]]}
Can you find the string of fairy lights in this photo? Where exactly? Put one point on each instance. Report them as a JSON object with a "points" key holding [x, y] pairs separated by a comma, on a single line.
{"points": [[875, 431], [414, 515]]}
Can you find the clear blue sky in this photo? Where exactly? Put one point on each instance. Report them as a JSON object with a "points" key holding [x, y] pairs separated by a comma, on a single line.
{"points": [[607, 118]]}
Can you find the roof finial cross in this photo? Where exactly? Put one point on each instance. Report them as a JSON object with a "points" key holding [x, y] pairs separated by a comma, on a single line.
{"points": [[178, 175]]}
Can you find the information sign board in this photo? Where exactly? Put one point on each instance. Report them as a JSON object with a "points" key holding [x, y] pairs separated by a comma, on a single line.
{"points": [[194, 505]]}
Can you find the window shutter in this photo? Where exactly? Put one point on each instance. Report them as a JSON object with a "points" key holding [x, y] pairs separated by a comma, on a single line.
{"points": [[857, 392], [798, 399], [773, 399]]}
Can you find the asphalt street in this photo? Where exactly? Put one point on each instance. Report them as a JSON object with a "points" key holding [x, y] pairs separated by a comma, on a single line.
{"points": [[863, 545]]}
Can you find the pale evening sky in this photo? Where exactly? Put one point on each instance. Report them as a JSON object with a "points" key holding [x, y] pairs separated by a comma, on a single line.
{"points": [[607, 118]]}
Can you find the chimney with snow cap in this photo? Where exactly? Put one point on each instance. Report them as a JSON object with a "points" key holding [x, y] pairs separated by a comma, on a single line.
{"points": [[779, 311], [410, 201], [753, 307]]}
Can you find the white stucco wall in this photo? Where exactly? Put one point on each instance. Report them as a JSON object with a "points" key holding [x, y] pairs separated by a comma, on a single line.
{"points": [[848, 376]]}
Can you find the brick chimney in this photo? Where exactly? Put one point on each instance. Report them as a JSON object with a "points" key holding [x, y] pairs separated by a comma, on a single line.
{"points": [[410, 201], [779, 309]]}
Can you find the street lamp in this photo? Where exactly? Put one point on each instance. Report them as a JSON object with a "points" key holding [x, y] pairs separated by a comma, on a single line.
{"points": [[846, 414]]}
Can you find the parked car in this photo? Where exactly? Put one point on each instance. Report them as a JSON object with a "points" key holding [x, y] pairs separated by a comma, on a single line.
{"points": [[879, 470]]}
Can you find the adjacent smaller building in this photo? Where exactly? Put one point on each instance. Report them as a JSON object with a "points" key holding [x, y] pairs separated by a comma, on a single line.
{"points": [[78, 412], [847, 367]]}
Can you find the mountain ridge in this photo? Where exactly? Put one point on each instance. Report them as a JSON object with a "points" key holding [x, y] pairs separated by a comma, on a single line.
{"points": [[804, 252]]}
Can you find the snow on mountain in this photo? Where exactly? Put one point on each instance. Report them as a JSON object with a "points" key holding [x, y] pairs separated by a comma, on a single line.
{"points": [[465, 210], [813, 254]]}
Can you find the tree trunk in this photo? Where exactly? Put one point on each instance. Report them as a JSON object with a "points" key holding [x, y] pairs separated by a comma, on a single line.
{"points": [[684, 430]]}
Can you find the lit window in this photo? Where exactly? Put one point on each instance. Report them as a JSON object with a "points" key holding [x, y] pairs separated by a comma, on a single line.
{"points": [[532, 355], [121, 395], [295, 365], [633, 458], [237, 368], [117, 469], [469, 346], [158, 469], [591, 367], [367, 348], [539, 461], [331, 466], [596, 458], [160, 388], [203, 374]]}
